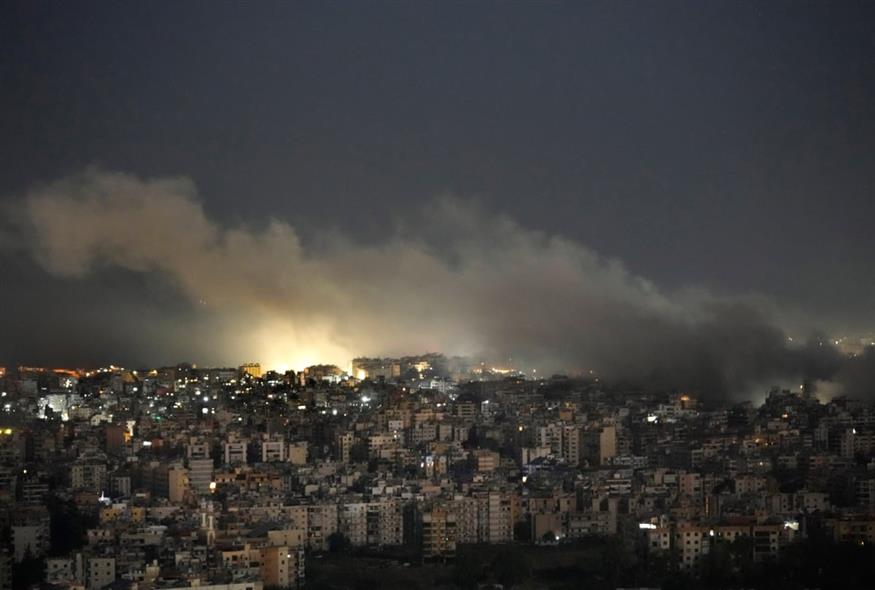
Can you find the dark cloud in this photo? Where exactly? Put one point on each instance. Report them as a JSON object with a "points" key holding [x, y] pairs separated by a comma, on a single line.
{"points": [[454, 278], [727, 144], [856, 377]]}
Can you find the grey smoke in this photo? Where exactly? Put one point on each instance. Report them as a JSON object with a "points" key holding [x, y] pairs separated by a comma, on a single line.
{"points": [[453, 278]]}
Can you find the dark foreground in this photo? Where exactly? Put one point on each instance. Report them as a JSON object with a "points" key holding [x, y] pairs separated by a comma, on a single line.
{"points": [[597, 564]]}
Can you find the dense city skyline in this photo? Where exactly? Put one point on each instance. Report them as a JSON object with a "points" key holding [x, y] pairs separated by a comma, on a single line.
{"points": [[481, 295]]}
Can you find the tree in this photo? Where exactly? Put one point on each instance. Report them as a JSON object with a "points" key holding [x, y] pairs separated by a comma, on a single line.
{"points": [[68, 526], [511, 567], [522, 531], [338, 542], [468, 570], [358, 452], [717, 567], [28, 572]]}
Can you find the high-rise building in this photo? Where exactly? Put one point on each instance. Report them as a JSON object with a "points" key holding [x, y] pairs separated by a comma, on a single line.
{"points": [[200, 475], [88, 475], [235, 452], [496, 522], [376, 368], [282, 566], [273, 450], [177, 483], [296, 453], [251, 370], [344, 445], [571, 444], [438, 532], [30, 539], [115, 439], [607, 443], [101, 572]]}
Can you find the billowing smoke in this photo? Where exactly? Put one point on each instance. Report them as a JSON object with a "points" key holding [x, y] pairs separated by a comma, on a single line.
{"points": [[455, 279]]}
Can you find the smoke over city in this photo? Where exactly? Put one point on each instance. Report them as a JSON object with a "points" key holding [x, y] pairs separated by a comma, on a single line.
{"points": [[452, 278]]}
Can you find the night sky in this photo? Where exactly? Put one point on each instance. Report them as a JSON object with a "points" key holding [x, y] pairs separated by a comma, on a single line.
{"points": [[718, 146]]}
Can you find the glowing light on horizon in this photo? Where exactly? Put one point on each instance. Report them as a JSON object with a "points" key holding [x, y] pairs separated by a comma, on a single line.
{"points": [[281, 346]]}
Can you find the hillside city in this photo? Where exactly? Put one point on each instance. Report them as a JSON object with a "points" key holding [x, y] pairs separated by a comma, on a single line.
{"points": [[461, 474]]}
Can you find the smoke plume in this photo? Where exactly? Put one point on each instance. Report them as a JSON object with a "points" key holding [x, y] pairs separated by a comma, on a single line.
{"points": [[455, 279]]}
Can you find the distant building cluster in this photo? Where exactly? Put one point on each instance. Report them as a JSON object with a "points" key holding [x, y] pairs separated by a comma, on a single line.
{"points": [[232, 478]]}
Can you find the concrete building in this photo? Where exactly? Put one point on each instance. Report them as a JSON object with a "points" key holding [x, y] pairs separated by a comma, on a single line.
{"points": [[372, 523], [100, 572], [88, 476], [177, 483], [273, 450], [438, 532], [251, 370], [571, 444], [343, 446], [30, 539], [282, 566], [235, 453], [486, 460], [297, 453], [607, 444], [200, 475], [494, 518]]}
